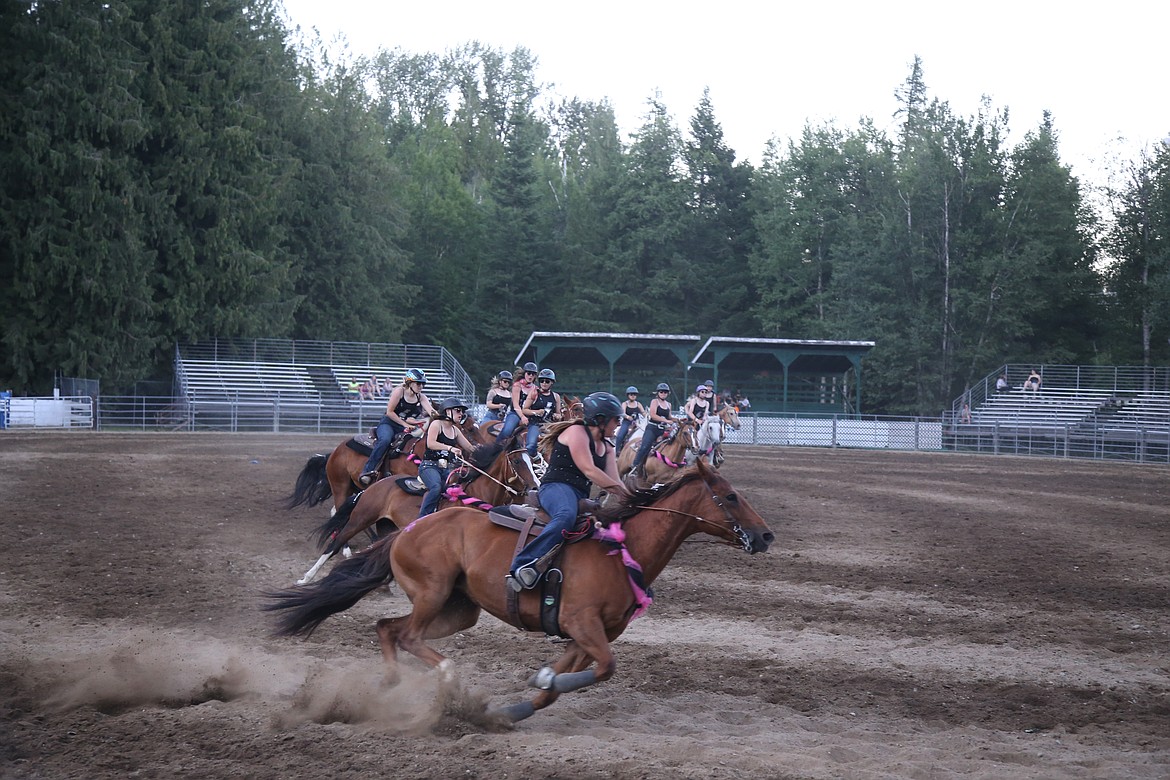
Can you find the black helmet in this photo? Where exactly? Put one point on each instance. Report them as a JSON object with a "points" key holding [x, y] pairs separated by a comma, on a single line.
{"points": [[504, 375], [599, 407], [416, 375], [546, 373], [663, 386], [530, 366], [453, 403], [631, 390]]}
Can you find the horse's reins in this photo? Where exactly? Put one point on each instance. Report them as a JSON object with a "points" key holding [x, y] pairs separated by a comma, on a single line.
{"points": [[506, 487], [740, 534]]}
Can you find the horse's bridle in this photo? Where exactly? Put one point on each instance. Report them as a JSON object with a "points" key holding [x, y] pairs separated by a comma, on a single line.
{"points": [[511, 465], [741, 536]]}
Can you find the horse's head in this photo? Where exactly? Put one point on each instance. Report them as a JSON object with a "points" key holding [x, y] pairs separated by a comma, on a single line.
{"points": [[729, 414], [732, 517], [521, 470], [574, 409]]}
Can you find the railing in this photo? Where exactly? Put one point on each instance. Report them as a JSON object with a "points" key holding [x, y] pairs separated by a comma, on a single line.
{"points": [[249, 414]]}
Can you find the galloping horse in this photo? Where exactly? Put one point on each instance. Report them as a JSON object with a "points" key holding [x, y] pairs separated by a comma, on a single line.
{"points": [[336, 474], [667, 457], [451, 565], [497, 474], [709, 437]]}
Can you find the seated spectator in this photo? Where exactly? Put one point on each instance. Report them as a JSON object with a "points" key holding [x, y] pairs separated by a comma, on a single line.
{"points": [[744, 404], [1001, 384], [1033, 381], [355, 389]]}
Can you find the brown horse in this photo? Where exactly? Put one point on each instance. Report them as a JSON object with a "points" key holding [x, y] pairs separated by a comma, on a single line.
{"points": [[337, 474], [451, 565], [667, 457], [497, 474]]}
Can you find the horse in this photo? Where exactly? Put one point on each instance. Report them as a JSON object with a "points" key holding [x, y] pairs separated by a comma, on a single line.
{"points": [[709, 436], [496, 473], [337, 474], [451, 566], [667, 457], [573, 408]]}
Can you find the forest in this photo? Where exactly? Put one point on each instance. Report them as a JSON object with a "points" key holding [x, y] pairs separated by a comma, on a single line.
{"points": [[180, 170]]}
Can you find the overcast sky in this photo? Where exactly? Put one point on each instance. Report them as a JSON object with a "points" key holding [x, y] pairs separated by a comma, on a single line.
{"points": [[1099, 69]]}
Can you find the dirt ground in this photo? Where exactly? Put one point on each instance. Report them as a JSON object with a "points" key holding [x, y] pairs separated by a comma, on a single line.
{"points": [[920, 616]]}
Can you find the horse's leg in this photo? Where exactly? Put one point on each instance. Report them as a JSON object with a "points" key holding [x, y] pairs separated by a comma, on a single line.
{"points": [[411, 631], [571, 672]]}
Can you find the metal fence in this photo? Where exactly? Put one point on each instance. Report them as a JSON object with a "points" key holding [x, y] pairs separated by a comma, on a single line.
{"points": [[165, 413]]}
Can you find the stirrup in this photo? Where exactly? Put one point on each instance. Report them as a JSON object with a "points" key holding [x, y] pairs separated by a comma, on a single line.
{"points": [[524, 578]]}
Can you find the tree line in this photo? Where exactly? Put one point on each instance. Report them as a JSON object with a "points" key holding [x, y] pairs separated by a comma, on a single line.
{"points": [[179, 171]]}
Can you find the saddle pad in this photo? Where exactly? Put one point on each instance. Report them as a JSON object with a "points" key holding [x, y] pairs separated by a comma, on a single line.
{"points": [[361, 443], [516, 516]]}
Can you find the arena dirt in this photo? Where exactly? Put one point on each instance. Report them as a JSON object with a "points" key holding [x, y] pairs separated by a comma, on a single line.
{"points": [[920, 616]]}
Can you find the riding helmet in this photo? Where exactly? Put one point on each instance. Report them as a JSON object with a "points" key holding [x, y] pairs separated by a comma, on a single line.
{"points": [[453, 403], [504, 375], [530, 366], [416, 375], [631, 390], [546, 373], [700, 389], [596, 408], [663, 386]]}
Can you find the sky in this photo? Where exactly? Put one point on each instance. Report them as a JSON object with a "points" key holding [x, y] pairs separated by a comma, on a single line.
{"points": [[773, 67]]}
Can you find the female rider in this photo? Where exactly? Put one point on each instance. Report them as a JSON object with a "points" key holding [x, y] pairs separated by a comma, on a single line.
{"points": [[520, 390], [579, 456], [407, 407], [445, 442], [632, 409], [499, 397], [540, 407], [699, 406], [657, 418]]}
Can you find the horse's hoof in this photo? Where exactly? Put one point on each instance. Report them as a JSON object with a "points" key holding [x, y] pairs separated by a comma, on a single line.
{"points": [[346, 552], [516, 712], [304, 581]]}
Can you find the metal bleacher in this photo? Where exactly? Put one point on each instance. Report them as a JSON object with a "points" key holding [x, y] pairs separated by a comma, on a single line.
{"points": [[1081, 411], [280, 384]]}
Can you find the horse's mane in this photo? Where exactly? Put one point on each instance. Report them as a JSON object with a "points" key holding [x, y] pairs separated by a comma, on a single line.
{"points": [[640, 498], [484, 455]]}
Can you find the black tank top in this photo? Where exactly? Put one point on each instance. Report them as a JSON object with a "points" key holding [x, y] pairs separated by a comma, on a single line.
{"points": [[561, 467], [502, 398], [700, 411], [406, 409], [546, 401], [632, 411], [443, 439]]}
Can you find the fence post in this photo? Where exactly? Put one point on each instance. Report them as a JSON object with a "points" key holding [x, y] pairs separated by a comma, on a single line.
{"points": [[276, 414]]}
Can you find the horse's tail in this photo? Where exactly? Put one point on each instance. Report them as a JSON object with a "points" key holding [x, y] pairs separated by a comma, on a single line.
{"points": [[312, 486], [327, 532], [303, 609]]}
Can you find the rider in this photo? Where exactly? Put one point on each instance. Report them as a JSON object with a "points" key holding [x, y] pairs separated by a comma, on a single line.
{"points": [[499, 397], [445, 442], [406, 408], [580, 456], [699, 406], [520, 390], [541, 406], [632, 409], [657, 418]]}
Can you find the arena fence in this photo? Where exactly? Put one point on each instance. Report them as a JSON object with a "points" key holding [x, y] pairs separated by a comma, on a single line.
{"points": [[165, 413]]}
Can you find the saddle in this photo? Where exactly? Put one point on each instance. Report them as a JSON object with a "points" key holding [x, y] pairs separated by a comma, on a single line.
{"points": [[530, 521], [412, 485]]}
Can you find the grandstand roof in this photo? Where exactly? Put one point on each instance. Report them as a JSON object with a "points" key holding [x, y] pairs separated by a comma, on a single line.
{"points": [[649, 350], [800, 355]]}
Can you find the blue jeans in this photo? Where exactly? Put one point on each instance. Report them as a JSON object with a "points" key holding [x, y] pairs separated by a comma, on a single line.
{"points": [[560, 501], [434, 478], [533, 436], [387, 430], [649, 436], [511, 423], [622, 432]]}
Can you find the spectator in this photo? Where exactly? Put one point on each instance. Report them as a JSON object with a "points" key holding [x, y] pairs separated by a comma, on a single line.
{"points": [[355, 389], [1033, 381], [965, 414], [744, 404], [1001, 384]]}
